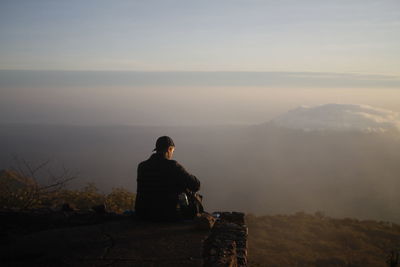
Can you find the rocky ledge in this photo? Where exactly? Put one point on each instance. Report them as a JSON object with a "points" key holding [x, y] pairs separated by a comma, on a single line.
{"points": [[227, 243], [93, 239]]}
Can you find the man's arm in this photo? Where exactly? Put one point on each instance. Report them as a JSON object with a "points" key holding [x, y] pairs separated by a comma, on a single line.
{"points": [[188, 180]]}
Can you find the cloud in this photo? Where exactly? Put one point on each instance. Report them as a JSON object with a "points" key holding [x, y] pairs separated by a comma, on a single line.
{"points": [[340, 117]]}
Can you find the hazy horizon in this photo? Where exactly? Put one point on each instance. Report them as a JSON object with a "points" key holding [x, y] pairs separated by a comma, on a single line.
{"points": [[180, 98]]}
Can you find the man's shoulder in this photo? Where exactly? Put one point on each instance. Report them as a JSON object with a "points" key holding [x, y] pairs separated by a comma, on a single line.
{"points": [[154, 160], [144, 163], [174, 163]]}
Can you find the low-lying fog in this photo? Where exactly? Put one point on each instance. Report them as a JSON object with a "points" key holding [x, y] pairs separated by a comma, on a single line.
{"points": [[221, 137], [261, 169]]}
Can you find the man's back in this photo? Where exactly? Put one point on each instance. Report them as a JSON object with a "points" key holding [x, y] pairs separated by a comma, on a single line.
{"points": [[159, 182]]}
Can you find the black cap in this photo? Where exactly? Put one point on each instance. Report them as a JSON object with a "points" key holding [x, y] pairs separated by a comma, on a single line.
{"points": [[163, 143]]}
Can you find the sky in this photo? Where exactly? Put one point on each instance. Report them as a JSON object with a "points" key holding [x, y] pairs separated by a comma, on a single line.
{"points": [[342, 36], [173, 62]]}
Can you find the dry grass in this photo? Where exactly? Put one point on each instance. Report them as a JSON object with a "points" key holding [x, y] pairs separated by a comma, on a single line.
{"points": [[315, 240]]}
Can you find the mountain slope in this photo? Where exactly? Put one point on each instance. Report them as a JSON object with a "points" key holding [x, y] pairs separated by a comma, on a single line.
{"points": [[316, 240]]}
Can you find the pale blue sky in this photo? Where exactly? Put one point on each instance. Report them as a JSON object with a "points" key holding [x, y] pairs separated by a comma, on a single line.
{"points": [[361, 36]]}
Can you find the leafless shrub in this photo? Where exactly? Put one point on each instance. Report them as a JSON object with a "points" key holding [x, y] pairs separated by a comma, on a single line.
{"points": [[21, 187]]}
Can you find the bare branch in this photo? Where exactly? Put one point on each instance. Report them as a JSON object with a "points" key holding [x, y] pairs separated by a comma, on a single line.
{"points": [[61, 183], [35, 192], [41, 166]]}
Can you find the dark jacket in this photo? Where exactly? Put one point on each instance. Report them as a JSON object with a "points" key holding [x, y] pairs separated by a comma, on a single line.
{"points": [[159, 182]]}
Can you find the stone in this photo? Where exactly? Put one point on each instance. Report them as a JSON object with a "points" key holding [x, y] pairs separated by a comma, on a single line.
{"points": [[205, 221]]}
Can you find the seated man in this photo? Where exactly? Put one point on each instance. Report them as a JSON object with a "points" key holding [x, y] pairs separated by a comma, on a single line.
{"points": [[161, 181]]}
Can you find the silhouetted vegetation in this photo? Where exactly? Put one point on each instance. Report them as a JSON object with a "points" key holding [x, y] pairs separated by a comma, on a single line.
{"points": [[20, 190], [118, 200], [316, 240]]}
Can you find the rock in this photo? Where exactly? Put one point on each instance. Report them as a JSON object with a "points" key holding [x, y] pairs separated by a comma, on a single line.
{"points": [[227, 243], [205, 221]]}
